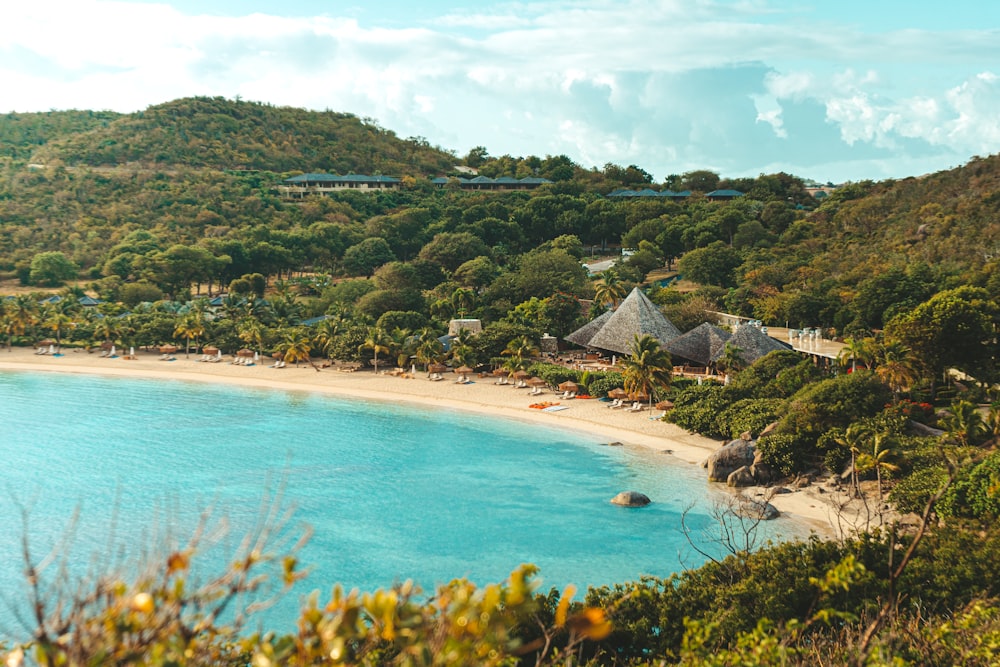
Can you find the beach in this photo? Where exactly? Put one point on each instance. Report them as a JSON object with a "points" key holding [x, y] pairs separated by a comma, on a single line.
{"points": [[808, 506]]}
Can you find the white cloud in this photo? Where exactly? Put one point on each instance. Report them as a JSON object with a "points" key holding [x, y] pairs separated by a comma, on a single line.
{"points": [[670, 85]]}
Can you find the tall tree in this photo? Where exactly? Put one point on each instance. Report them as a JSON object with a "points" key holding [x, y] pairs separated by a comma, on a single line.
{"points": [[648, 368]]}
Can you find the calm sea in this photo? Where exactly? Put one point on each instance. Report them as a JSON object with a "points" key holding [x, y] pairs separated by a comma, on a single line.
{"points": [[390, 492]]}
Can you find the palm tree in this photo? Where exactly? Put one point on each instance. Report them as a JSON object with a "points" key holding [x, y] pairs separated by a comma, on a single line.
{"points": [[191, 326], [296, 345], [429, 348], [21, 314], [251, 332], [610, 291], [327, 332], [856, 350], [6, 322], [648, 368], [402, 343], [57, 321], [519, 351], [463, 300], [107, 328], [731, 360], [376, 342], [881, 458], [965, 423], [896, 367], [854, 439], [462, 351]]}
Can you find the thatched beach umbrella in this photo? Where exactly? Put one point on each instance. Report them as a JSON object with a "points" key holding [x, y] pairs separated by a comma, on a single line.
{"points": [[45, 343], [537, 382], [245, 353], [521, 374], [463, 370], [166, 349], [210, 349], [617, 393], [436, 368], [665, 405], [569, 385], [500, 372], [639, 397]]}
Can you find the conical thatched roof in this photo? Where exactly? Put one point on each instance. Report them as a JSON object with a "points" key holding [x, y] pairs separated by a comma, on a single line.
{"points": [[754, 343], [616, 330], [702, 345], [583, 335]]}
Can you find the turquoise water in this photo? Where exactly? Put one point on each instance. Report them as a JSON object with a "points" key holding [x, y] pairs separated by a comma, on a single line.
{"points": [[391, 492]]}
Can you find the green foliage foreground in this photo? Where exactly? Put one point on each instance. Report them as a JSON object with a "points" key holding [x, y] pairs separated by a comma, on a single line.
{"points": [[878, 599]]}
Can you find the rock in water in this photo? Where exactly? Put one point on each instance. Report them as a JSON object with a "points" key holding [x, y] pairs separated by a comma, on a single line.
{"points": [[631, 499]]}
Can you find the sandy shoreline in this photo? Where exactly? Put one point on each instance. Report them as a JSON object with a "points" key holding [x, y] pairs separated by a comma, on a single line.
{"points": [[482, 396]]}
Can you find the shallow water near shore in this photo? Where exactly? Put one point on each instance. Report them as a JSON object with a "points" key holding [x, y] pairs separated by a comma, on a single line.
{"points": [[391, 492]]}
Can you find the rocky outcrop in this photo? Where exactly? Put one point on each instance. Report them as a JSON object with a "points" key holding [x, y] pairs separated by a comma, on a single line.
{"points": [[730, 457], [756, 509], [631, 499], [741, 477]]}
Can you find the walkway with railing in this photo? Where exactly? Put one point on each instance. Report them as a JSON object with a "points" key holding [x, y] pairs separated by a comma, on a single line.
{"points": [[807, 341]]}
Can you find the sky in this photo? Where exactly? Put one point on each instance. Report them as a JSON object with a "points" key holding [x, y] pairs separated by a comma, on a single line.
{"points": [[831, 91]]}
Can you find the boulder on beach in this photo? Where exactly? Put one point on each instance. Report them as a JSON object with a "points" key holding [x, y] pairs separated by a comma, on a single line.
{"points": [[631, 499], [756, 509], [740, 477], [729, 458]]}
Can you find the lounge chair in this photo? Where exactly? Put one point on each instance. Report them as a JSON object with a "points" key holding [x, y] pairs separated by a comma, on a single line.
{"points": [[536, 391], [636, 407], [521, 384], [503, 380], [617, 403], [436, 377]]}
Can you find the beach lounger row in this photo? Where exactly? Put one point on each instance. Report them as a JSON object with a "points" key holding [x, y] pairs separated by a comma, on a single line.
{"points": [[566, 395], [243, 361]]}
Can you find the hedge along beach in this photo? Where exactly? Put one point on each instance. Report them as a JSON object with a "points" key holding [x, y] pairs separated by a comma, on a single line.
{"points": [[632, 429]]}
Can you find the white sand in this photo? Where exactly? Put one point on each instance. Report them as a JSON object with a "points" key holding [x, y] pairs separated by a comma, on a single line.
{"points": [[482, 396]]}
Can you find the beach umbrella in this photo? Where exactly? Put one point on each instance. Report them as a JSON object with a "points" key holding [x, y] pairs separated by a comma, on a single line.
{"points": [[639, 396], [520, 375], [500, 372], [665, 405], [437, 368], [463, 370], [210, 349], [168, 349], [277, 355], [245, 353], [617, 393], [46, 343], [537, 382], [569, 385]]}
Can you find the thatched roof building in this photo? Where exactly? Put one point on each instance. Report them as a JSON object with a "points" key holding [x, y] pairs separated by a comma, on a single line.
{"points": [[754, 343], [615, 330], [702, 345]]}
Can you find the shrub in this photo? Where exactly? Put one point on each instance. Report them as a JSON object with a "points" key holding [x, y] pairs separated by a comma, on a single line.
{"points": [[697, 408], [749, 414], [784, 452]]}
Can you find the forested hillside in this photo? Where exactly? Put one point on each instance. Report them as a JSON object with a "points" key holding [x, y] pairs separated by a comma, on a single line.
{"points": [[226, 134], [22, 134], [146, 209]]}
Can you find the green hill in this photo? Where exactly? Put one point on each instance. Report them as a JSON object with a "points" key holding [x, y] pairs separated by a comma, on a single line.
{"points": [[226, 134], [22, 134]]}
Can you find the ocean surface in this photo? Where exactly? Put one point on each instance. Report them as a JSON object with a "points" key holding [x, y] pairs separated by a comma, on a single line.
{"points": [[106, 469]]}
